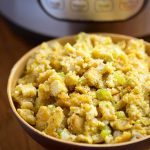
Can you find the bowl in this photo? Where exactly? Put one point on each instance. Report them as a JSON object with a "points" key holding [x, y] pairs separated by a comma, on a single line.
{"points": [[54, 143]]}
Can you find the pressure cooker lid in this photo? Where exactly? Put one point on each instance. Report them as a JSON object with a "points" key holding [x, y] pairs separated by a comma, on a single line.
{"points": [[38, 16], [92, 10]]}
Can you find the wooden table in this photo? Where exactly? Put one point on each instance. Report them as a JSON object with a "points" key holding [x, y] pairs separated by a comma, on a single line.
{"points": [[12, 46]]}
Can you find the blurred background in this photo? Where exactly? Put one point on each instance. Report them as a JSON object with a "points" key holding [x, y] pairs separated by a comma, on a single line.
{"points": [[26, 23]]}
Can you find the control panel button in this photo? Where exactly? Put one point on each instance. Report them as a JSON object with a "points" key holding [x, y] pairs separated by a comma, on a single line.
{"points": [[103, 5], [55, 4], [79, 5], [92, 10], [128, 4]]}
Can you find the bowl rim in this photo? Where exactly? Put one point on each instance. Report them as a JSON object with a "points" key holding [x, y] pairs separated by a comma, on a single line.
{"points": [[13, 108]]}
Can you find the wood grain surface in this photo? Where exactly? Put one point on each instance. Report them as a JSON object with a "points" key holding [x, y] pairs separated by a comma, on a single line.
{"points": [[12, 46]]}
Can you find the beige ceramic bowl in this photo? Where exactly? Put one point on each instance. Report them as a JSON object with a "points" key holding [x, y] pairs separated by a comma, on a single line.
{"points": [[51, 142]]}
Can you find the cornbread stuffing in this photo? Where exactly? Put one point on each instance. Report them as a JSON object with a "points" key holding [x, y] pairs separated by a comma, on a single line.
{"points": [[94, 90]]}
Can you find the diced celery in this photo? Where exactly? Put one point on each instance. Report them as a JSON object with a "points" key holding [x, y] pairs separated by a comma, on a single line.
{"points": [[64, 134], [105, 132], [61, 74], [51, 107], [120, 79], [82, 81], [137, 122], [120, 114], [103, 94]]}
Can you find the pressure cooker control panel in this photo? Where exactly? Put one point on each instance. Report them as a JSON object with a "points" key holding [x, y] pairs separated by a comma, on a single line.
{"points": [[92, 10]]}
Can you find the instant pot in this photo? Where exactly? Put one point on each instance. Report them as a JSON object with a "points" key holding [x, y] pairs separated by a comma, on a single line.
{"points": [[56, 18]]}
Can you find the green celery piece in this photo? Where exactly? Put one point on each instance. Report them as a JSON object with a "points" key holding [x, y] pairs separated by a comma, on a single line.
{"points": [[103, 94]]}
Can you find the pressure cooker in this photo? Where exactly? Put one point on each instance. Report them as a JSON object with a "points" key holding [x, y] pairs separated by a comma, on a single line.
{"points": [[56, 18]]}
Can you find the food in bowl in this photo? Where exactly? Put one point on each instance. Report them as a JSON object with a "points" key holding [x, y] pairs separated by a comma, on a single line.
{"points": [[94, 90]]}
